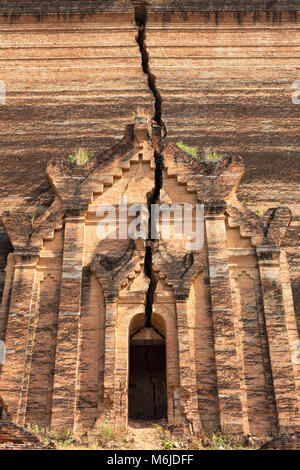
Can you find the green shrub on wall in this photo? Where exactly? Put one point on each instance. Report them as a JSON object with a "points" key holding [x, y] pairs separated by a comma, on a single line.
{"points": [[192, 151], [80, 157]]}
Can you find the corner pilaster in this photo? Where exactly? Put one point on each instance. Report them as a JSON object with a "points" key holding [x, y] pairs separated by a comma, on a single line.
{"points": [[20, 327], [278, 337]]}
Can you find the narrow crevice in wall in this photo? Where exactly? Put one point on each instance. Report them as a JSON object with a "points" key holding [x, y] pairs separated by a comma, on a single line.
{"points": [[159, 132], [152, 285], [272, 213], [140, 14]]}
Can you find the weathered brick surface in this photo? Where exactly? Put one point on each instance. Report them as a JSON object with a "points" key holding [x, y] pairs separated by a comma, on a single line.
{"points": [[72, 80], [13, 437], [225, 308], [225, 72], [283, 442], [71, 302]]}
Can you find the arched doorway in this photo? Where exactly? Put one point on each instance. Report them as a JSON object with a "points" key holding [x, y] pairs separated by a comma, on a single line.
{"points": [[147, 391]]}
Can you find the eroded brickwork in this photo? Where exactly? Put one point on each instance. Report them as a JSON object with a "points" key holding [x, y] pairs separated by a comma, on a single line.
{"points": [[223, 310], [72, 304]]}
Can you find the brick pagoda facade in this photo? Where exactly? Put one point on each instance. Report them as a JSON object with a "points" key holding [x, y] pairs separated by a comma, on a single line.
{"points": [[73, 304]]}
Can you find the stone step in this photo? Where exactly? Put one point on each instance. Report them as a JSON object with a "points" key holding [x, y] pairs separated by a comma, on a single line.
{"points": [[13, 437]]}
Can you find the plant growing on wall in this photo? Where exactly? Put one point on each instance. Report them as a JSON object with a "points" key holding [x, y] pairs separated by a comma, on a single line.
{"points": [[80, 157], [211, 155], [192, 151]]}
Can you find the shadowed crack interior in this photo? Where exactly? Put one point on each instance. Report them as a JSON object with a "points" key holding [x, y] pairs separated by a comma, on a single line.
{"points": [[141, 22]]}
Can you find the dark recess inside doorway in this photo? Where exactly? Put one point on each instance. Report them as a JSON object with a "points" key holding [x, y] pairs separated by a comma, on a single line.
{"points": [[147, 380]]}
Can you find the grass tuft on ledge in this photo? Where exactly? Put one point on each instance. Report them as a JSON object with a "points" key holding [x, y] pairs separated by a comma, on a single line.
{"points": [[192, 151], [80, 157]]}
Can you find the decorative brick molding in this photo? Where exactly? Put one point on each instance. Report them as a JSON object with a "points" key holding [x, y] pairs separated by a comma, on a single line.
{"points": [[223, 311]]}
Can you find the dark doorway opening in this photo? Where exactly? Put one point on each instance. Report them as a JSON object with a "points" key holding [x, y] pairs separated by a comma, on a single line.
{"points": [[147, 380]]}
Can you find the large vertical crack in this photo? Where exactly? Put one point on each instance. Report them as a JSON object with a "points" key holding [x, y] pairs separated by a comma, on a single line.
{"points": [[140, 14], [159, 133]]}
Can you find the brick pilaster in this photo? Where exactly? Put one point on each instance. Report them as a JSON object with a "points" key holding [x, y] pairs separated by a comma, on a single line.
{"points": [[4, 309], [187, 373], [229, 391], [16, 370], [66, 363], [278, 339], [110, 361]]}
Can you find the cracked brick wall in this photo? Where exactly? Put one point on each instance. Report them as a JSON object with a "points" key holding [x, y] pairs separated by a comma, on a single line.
{"points": [[85, 71], [76, 301], [225, 74], [71, 81], [223, 70]]}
